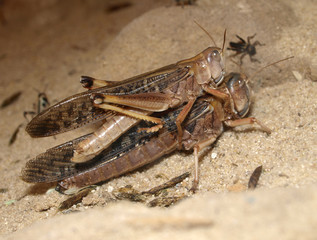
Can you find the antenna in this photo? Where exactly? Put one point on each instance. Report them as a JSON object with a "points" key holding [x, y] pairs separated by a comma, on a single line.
{"points": [[206, 33], [224, 41], [271, 64]]}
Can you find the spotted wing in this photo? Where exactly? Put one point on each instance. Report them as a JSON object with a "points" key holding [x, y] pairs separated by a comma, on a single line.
{"points": [[78, 110]]}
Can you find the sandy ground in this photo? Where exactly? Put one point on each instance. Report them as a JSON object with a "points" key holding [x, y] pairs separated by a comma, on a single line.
{"points": [[48, 45]]}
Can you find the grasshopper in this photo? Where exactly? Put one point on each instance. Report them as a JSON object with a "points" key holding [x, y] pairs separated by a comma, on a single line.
{"points": [[42, 104], [136, 97], [134, 149]]}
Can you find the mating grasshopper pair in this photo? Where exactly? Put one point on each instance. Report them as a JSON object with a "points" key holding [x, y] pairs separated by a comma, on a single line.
{"points": [[89, 159], [134, 149]]}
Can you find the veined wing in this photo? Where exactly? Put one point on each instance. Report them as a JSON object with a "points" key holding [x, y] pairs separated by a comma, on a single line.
{"points": [[78, 110], [53, 164], [71, 113]]}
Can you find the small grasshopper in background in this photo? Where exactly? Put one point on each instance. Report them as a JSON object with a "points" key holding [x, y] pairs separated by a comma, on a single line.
{"points": [[136, 97], [42, 103], [245, 48]]}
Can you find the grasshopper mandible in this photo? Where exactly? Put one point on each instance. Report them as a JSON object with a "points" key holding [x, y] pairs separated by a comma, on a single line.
{"points": [[201, 128], [136, 97]]}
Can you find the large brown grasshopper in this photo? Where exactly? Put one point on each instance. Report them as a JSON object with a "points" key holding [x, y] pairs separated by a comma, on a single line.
{"points": [[136, 97], [134, 149]]}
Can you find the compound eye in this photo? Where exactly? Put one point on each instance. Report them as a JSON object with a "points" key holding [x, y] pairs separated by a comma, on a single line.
{"points": [[216, 55], [215, 65], [240, 94]]}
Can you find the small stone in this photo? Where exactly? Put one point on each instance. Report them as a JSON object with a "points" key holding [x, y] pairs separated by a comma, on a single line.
{"points": [[110, 189], [213, 155]]}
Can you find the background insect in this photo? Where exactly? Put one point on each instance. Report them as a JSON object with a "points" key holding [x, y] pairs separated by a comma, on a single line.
{"points": [[245, 48], [41, 105]]}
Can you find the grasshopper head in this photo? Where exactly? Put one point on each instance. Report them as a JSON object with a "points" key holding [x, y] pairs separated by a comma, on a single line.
{"points": [[240, 93], [215, 65]]}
